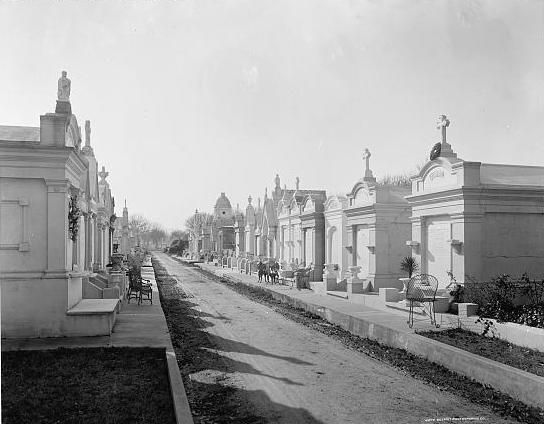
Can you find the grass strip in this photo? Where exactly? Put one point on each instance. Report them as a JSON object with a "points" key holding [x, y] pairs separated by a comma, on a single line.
{"points": [[86, 385], [523, 358]]}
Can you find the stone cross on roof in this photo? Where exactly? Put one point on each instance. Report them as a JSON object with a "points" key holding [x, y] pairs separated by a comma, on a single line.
{"points": [[366, 157], [442, 123], [103, 175]]}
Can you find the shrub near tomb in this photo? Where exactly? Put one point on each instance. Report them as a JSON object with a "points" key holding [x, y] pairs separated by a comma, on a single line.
{"points": [[520, 301], [409, 265]]}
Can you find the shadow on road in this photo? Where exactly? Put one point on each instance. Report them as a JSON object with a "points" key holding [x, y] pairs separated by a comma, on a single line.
{"points": [[205, 371], [227, 345]]}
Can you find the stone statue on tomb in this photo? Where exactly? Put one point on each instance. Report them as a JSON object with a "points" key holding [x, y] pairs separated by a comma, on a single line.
{"points": [[277, 180], [63, 91], [297, 183]]}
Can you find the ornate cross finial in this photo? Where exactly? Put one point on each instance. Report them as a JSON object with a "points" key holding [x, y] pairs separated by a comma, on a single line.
{"points": [[103, 175], [88, 133], [366, 157], [442, 123], [297, 183]]}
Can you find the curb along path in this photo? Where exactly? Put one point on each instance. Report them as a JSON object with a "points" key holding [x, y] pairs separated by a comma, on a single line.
{"points": [[391, 330]]}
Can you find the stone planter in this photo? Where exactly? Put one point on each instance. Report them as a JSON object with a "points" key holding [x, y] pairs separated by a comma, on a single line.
{"points": [[117, 262]]}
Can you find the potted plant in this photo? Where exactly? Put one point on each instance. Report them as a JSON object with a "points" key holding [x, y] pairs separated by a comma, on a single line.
{"points": [[409, 265]]}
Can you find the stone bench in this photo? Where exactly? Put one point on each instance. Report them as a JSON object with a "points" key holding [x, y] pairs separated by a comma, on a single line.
{"points": [[94, 317]]}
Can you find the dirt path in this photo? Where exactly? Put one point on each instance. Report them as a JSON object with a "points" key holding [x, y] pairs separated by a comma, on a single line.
{"points": [[292, 374]]}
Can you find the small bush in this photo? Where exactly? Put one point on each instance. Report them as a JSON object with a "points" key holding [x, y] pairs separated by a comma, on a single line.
{"points": [[505, 299]]}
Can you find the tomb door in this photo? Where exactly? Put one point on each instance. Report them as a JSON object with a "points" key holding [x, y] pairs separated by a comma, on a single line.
{"points": [[437, 258], [363, 238], [332, 255]]}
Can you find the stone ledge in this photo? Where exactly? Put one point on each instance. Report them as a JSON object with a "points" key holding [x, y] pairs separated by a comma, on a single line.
{"points": [[182, 410], [94, 307]]}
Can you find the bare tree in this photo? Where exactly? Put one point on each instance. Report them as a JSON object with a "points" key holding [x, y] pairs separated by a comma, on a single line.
{"points": [[156, 234], [139, 223], [196, 221]]}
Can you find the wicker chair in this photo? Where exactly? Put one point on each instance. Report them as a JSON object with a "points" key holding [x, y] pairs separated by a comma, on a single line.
{"points": [[139, 287], [422, 289]]}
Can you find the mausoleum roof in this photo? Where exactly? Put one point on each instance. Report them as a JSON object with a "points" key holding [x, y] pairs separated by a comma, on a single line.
{"points": [[17, 133], [223, 202]]}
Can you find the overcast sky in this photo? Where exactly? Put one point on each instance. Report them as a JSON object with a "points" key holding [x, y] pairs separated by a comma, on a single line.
{"points": [[190, 99]]}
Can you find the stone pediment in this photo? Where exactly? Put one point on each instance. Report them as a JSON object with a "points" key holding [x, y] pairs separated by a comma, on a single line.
{"points": [[282, 209], [312, 204], [334, 203], [442, 172], [362, 194], [293, 206], [438, 176], [308, 205]]}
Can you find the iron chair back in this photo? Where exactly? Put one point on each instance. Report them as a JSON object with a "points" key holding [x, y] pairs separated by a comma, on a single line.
{"points": [[422, 288]]}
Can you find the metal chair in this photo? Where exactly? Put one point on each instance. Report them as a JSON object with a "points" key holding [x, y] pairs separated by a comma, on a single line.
{"points": [[139, 287], [422, 289]]}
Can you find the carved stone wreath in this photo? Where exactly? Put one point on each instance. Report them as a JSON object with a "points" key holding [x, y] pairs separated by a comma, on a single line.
{"points": [[74, 213], [435, 151]]}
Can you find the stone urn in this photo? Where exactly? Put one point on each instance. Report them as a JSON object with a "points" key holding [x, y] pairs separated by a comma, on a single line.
{"points": [[404, 281], [354, 271], [329, 271], [117, 262]]}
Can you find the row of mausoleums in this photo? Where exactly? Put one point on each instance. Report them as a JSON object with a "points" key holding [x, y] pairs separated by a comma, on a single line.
{"points": [[472, 219], [58, 230]]}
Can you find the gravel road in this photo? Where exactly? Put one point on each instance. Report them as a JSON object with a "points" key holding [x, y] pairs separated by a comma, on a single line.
{"points": [[293, 374]]}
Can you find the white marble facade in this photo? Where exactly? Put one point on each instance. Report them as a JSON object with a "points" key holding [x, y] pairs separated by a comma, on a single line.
{"points": [[477, 220], [56, 221]]}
